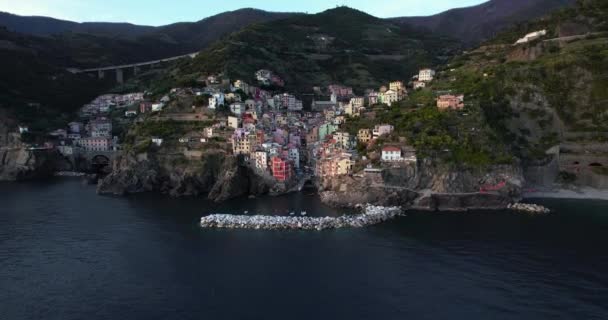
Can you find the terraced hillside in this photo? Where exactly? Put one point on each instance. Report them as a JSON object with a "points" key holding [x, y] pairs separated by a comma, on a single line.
{"points": [[339, 45]]}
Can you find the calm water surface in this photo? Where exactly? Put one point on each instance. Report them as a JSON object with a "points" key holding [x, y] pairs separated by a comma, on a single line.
{"points": [[66, 253]]}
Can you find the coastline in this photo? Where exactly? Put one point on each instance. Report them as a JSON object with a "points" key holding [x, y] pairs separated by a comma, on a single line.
{"points": [[584, 193]]}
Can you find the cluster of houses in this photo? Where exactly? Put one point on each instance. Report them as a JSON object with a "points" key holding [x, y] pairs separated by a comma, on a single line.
{"points": [[104, 104], [93, 131], [269, 130], [273, 134], [423, 77]]}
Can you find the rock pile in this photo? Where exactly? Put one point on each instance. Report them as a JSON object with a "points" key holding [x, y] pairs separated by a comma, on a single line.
{"points": [[69, 174], [530, 208], [372, 215]]}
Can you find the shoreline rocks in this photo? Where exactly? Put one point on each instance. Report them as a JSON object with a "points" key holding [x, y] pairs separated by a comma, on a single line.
{"points": [[69, 174], [529, 208], [372, 215]]}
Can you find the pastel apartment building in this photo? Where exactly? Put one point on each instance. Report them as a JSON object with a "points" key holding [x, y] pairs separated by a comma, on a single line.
{"points": [[398, 154], [382, 130], [389, 97], [391, 154], [216, 100], [100, 127], [357, 102], [364, 135], [94, 143], [450, 102], [426, 75], [234, 122], [333, 166], [343, 140], [261, 160], [398, 87], [340, 91], [373, 98], [294, 157]]}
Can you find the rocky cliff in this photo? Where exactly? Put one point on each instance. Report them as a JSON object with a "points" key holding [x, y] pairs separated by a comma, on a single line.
{"points": [[19, 163], [427, 186], [216, 174]]}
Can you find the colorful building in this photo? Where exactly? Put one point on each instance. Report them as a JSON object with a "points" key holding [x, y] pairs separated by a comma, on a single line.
{"points": [[281, 169], [449, 101]]}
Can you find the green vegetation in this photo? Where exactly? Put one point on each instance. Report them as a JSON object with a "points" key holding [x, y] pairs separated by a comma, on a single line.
{"points": [[340, 45], [457, 137]]}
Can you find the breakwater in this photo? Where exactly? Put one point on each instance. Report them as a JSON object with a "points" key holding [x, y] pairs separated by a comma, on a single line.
{"points": [[529, 208], [371, 215]]}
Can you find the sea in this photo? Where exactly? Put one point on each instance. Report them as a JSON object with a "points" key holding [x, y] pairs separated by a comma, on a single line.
{"points": [[68, 253]]}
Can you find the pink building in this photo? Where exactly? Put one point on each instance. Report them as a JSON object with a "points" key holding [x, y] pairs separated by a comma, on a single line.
{"points": [[340, 91], [449, 101]]}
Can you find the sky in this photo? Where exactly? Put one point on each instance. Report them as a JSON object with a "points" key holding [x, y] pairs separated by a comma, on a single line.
{"points": [[161, 12]]}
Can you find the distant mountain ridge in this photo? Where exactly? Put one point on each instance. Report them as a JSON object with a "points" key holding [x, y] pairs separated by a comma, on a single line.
{"points": [[475, 24], [97, 44], [183, 31], [46, 26], [340, 45]]}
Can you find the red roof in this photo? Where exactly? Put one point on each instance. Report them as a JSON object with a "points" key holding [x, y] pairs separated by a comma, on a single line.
{"points": [[391, 148]]}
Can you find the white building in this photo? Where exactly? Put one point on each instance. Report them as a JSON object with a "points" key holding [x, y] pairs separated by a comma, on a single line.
{"points": [[208, 132], [216, 100], [343, 139], [426, 75], [234, 122], [419, 84], [157, 141], [532, 36], [382, 130], [294, 156], [389, 97], [238, 108], [357, 102], [391, 154], [261, 160], [158, 106]]}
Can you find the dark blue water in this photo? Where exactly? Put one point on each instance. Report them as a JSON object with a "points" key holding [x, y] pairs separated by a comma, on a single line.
{"points": [[66, 253]]}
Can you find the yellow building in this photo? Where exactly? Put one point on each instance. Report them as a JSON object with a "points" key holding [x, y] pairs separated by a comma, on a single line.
{"points": [[345, 166], [364, 135], [397, 86], [243, 144]]}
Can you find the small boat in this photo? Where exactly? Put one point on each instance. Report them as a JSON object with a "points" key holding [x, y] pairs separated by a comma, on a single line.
{"points": [[246, 212], [303, 213], [292, 214]]}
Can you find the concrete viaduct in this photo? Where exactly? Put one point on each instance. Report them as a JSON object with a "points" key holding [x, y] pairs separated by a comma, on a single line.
{"points": [[120, 78]]}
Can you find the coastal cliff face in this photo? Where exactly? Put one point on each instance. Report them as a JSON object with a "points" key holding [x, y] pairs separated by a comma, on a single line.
{"points": [[18, 163], [217, 174], [427, 186]]}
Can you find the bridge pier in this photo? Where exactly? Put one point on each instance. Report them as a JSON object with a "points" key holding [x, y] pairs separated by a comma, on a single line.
{"points": [[135, 70], [120, 77], [101, 74]]}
